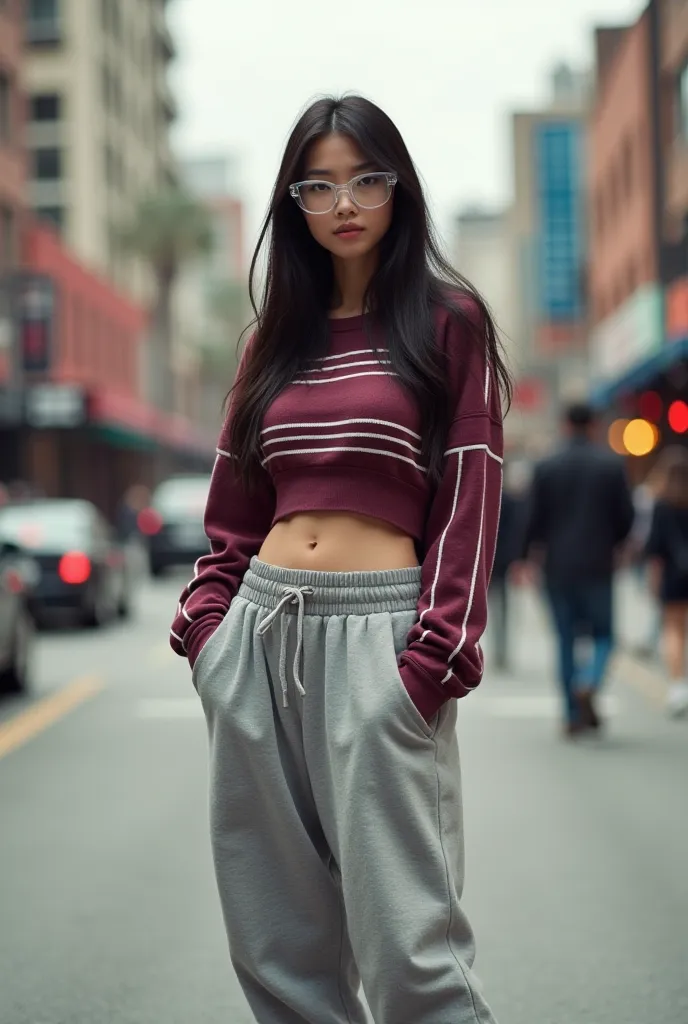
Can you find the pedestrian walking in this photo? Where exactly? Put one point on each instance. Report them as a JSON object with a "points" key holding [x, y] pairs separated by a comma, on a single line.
{"points": [[667, 550], [580, 512], [352, 518]]}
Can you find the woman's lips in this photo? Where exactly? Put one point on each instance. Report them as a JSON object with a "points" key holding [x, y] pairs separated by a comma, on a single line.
{"points": [[350, 232]]}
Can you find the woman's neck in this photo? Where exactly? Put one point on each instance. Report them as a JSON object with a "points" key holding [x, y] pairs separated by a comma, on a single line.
{"points": [[352, 278]]}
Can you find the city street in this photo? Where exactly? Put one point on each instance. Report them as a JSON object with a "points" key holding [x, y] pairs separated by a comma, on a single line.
{"points": [[577, 854]]}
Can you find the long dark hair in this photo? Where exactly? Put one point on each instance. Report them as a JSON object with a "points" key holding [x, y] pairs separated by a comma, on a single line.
{"points": [[291, 319]]}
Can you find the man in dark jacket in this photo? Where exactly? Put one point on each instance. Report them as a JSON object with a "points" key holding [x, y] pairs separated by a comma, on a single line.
{"points": [[580, 511]]}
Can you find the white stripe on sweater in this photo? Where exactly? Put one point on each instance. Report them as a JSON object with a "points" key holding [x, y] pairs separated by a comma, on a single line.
{"points": [[349, 376], [474, 577], [351, 433], [342, 423], [344, 448], [347, 366], [345, 355], [475, 448], [459, 471]]}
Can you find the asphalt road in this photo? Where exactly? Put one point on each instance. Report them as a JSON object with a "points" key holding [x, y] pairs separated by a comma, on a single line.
{"points": [[577, 878]]}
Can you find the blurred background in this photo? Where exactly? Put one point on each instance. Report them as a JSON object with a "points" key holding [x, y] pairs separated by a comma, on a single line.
{"points": [[129, 207], [139, 140]]}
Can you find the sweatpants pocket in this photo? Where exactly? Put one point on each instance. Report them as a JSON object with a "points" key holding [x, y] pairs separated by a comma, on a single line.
{"points": [[204, 661], [399, 624]]}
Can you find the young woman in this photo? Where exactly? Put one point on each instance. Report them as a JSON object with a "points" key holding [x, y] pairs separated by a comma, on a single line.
{"points": [[667, 549], [352, 519]]}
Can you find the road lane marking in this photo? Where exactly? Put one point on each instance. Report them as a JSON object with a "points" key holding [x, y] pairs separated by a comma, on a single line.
{"points": [[23, 727], [169, 707]]}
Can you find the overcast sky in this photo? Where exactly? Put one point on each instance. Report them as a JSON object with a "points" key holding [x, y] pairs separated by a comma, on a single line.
{"points": [[447, 72]]}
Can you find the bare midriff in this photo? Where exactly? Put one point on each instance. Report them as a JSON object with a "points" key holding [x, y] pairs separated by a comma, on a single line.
{"points": [[337, 542]]}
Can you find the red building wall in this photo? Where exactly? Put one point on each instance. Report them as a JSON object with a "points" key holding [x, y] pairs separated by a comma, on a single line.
{"points": [[622, 252], [99, 332]]}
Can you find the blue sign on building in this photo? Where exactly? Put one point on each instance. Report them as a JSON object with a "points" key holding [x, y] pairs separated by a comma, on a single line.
{"points": [[558, 162]]}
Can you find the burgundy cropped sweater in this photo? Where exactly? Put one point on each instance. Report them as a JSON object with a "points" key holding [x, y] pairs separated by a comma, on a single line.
{"points": [[344, 437]]}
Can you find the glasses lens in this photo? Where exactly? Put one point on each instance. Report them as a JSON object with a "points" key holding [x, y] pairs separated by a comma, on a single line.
{"points": [[371, 190], [316, 196]]}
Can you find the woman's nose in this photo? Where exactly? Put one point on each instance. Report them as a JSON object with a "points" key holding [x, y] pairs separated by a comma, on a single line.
{"points": [[344, 203]]}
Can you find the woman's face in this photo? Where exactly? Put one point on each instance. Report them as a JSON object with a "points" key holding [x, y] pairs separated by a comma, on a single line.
{"points": [[337, 158]]}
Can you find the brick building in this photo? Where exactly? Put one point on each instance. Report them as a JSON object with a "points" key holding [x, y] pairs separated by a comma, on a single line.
{"points": [[638, 186], [12, 159], [77, 423]]}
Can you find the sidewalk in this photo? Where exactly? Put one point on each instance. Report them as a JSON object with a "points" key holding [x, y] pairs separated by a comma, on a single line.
{"points": [[532, 642]]}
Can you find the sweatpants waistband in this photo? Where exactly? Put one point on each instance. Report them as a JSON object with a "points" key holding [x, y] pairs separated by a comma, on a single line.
{"points": [[333, 593]]}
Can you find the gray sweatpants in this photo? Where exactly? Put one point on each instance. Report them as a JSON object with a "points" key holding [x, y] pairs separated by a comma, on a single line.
{"points": [[336, 817]]}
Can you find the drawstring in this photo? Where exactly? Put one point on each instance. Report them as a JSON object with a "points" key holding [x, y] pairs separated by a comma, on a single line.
{"points": [[290, 595]]}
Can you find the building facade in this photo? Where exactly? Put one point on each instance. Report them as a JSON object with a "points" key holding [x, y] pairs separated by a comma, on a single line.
{"points": [[482, 252], [99, 110], [624, 215], [212, 298], [12, 161], [639, 224], [74, 420], [674, 70], [548, 245]]}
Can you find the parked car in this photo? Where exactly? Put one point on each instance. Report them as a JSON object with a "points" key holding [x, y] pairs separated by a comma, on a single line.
{"points": [[82, 569], [174, 522], [18, 574]]}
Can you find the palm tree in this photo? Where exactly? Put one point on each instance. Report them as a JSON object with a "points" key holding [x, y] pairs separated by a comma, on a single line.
{"points": [[167, 230]]}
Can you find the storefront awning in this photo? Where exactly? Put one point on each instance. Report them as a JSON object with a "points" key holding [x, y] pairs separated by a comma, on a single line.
{"points": [[641, 375], [133, 423]]}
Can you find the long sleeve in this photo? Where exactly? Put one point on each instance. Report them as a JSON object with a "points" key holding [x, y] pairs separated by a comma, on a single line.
{"points": [[236, 524], [443, 657]]}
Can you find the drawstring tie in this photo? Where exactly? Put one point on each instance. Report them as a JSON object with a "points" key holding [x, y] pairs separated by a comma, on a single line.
{"points": [[290, 595]]}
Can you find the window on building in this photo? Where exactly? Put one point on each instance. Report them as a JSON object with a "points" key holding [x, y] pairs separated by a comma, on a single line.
{"points": [[46, 106], [683, 103], [53, 215], [47, 163], [7, 237], [43, 21], [5, 109]]}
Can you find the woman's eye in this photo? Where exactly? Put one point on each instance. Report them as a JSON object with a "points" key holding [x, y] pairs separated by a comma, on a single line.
{"points": [[318, 186], [368, 181]]}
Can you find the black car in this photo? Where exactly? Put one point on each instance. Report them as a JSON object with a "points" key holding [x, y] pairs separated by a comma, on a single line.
{"points": [[17, 576], [174, 522], [82, 569]]}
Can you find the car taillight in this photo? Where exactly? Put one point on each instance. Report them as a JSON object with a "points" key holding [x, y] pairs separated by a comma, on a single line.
{"points": [[149, 522], [74, 567]]}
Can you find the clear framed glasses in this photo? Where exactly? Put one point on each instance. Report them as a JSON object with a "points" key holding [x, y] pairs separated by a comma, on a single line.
{"points": [[365, 190]]}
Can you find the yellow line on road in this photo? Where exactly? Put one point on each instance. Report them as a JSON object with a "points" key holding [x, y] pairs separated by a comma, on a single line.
{"points": [[36, 719]]}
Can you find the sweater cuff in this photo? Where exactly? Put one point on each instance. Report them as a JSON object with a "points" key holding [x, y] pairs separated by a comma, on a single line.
{"points": [[426, 694], [196, 639]]}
